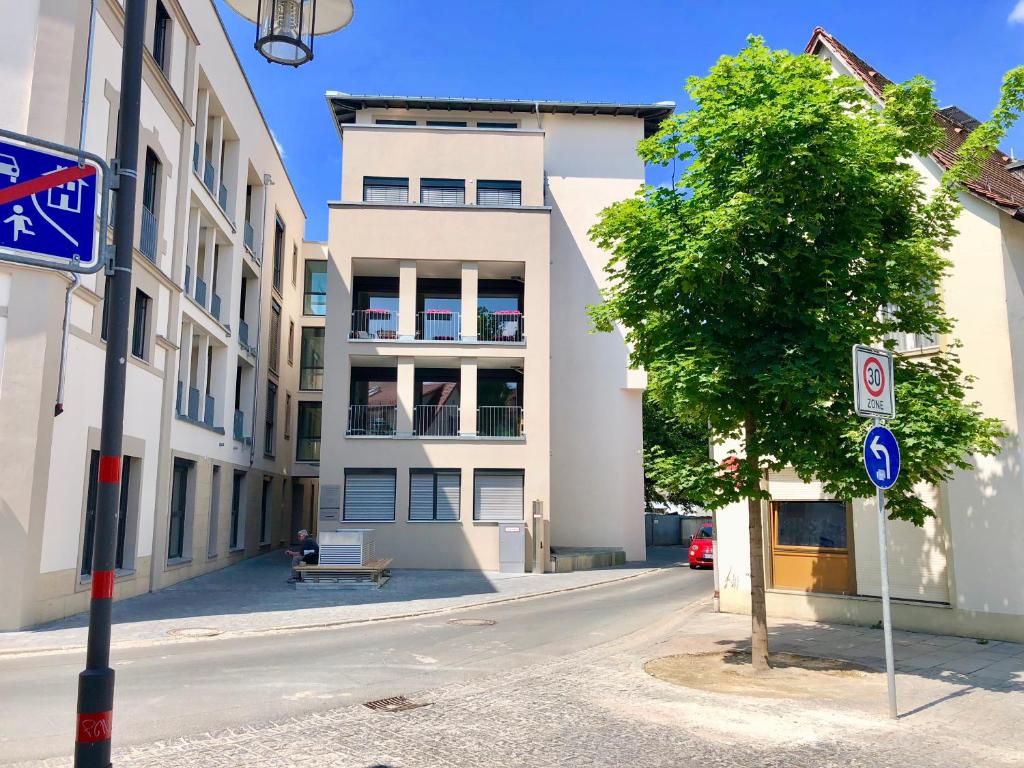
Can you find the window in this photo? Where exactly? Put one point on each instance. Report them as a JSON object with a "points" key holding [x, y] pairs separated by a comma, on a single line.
{"points": [[369, 495], [447, 123], [385, 189], [499, 193], [140, 327], [178, 523], [443, 191], [382, 121], [162, 36], [311, 359], [278, 251], [909, 342], [269, 438], [291, 342], [274, 361], [108, 286], [496, 125], [151, 182], [498, 495], [287, 415], [295, 263], [434, 494], [121, 562], [436, 404], [819, 524], [265, 502], [307, 447], [236, 535], [315, 291], [214, 527]]}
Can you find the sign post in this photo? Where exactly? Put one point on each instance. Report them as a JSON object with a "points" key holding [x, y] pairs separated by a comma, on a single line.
{"points": [[874, 397]]}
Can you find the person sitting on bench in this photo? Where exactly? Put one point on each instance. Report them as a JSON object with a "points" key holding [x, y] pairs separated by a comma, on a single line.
{"points": [[308, 552]]}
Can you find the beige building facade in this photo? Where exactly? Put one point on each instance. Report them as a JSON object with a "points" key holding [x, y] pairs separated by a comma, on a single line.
{"points": [[217, 300], [963, 571], [462, 389]]}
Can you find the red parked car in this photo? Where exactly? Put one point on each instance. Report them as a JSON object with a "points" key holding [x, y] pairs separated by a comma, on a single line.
{"points": [[701, 548]]}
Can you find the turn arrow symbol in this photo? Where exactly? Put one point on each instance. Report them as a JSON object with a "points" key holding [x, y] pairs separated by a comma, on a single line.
{"points": [[878, 449]]}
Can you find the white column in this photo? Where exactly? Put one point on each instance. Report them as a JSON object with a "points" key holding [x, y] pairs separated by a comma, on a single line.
{"points": [[470, 279], [209, 245], [217, 151], [467, 397], [406, 387], [202, 374], [202, 117], [407, 300], [185, 363], [192, 249]]}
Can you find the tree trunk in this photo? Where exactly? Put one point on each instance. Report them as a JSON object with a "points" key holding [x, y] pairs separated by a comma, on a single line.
{"points": [[758, 613]]}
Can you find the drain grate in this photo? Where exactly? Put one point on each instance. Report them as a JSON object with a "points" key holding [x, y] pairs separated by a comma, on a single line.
{"points": [[394, 704], [194, 632], [473, 622]]}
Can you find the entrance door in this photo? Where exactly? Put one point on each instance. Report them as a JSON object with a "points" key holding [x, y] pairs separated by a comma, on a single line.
{"points": [[810, 547]]}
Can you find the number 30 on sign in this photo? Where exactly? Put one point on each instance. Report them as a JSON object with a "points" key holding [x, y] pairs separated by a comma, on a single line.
{"points": [[872, 382]]}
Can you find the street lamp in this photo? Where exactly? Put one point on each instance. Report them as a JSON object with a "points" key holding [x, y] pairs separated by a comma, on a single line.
{"points": [[285, 28]]}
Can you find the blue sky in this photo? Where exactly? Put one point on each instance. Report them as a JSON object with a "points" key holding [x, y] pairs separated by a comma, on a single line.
{"points": [[598, 50]]}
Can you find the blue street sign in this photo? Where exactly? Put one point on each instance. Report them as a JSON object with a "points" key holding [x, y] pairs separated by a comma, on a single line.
{"points": [[51, 201], [881, 457]]}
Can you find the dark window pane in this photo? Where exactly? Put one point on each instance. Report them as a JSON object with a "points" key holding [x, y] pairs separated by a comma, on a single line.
{"points": [[812, 524]]}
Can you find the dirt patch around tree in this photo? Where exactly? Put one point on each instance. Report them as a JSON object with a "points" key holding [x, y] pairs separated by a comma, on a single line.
{"points": [[791, 676]]}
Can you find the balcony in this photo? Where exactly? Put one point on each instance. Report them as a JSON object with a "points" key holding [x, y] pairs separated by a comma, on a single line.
{"points": [[243, 337], [196, 157], [499, 421], [215, 307], [438, 325], [249, 236], [209, 410], [372, 419], [500, 327], [239, 428], [200, 295], [222, 198], [379, 324], [208, 174], [147, 237], [435, 420]]}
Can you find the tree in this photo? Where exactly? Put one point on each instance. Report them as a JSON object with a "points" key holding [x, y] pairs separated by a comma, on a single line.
{"points": [[796, 222], [675, 454]]}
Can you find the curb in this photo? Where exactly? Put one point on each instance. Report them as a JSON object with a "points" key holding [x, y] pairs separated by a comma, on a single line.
{"points": [[240, 633]]}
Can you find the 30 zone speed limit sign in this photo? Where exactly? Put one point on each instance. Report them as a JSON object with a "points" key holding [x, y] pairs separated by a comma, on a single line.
{"points": [[872, 383]]}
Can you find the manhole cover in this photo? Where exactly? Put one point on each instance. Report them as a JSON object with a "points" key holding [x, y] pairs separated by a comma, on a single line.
{"points": [[472, 622], [194, 632], [394, 704]]}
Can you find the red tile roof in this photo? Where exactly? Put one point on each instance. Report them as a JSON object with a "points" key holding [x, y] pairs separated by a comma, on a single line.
{"points": [[994, 183]]}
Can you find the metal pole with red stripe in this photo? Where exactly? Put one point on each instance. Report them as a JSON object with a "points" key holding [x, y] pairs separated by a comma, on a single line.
{"points": [[96, 683]]}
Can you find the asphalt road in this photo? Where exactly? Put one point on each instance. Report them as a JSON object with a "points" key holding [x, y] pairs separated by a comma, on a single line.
{"points": [[186, 688]]}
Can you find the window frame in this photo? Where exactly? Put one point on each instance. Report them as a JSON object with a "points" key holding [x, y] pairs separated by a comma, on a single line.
{"points": [[278, 265], [301, 437], [369, 471], [162, 25], [400, 183], [270, 421], [316, 332], [477, 472], [435, 474], [287, 415], [274, 356], [307, 307], [140, 332]]}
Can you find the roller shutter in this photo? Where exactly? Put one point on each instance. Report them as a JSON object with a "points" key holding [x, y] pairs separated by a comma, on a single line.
{"points": [[498, 496], [434, 496], [499, 193], [379, 189], [369, 496], [442, 191]]}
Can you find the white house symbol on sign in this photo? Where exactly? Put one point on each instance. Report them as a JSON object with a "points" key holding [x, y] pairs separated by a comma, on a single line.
{"points": [[66, 197]]}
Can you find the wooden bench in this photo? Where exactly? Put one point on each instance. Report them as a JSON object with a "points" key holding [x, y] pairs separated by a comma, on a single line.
{"points": [[374, 573]]}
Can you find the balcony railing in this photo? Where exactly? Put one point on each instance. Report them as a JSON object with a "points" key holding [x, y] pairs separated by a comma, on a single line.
{"points": [[188, 279], [177, 399], [500, 326], [438, 325], [215, 307], [222, 198], [193, 403], [311, 377], [315, 303], [195, 157], [208, 174], [372, 419], [250, 236], [374, 324], [209, 410], [147, 237], [239, 430], [243, 333], [435, 420], [499, 421], [201, 291], [307, 449]]}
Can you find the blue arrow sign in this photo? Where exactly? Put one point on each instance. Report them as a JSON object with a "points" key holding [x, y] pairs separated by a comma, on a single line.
{"points": [[881, 457], [49, 206]]}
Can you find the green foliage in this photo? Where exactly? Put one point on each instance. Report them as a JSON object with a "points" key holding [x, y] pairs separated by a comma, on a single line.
{"points": [[743, 290], [676, 454]]}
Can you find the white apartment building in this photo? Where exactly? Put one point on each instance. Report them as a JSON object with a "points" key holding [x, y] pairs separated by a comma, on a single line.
{"points": [[963, 571], [217, 296], [461, 381]]}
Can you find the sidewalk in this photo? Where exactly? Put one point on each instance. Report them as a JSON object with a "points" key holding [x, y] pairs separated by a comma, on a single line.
{"points": [[253, 596]]}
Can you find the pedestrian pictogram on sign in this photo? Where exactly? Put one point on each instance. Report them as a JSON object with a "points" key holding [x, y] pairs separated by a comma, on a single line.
{"points": [[52, 204], [872, 383]]}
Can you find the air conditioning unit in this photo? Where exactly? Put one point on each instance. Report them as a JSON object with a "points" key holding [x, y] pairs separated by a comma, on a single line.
{"points": [[347, 546]]}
